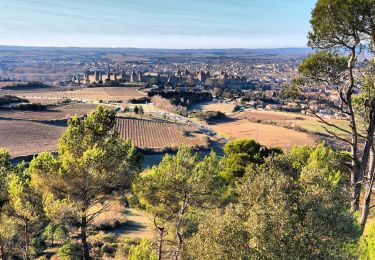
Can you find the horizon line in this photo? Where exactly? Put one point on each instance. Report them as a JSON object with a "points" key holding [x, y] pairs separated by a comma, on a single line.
{"points": [[149, 48]]}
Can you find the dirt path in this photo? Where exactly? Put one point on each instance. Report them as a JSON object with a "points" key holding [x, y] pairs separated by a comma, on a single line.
{"points": [[137, 225]]}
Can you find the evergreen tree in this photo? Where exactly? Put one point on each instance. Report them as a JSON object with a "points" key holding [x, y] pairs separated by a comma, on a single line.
{"points": [[92, 164]]}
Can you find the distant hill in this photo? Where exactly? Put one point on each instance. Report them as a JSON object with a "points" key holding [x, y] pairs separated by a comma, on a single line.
{"points": [[166, 52]]}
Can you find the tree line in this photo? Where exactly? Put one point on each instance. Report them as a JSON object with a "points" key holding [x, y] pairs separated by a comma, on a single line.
{"points": [[253, 202], [342, 62]]}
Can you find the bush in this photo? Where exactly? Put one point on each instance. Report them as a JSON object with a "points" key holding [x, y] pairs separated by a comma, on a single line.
{"points": [[214, 115], [70, 251], [9, 99], [31, 107], [237, 108], [109, 249], [143, 251], [367, 244]]}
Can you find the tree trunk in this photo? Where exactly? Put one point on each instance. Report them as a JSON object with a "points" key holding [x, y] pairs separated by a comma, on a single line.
{"points": [[26, 237], [85, 246], [371, 172], [161, 239], [355, 165], [160, 246], [179, 234], [369, 185], [179, 245], [356, 189]]}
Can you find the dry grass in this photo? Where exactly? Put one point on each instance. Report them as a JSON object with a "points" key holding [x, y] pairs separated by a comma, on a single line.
{"points": [[292, 120], [116, 213], [269, 135], [255, 115], [225, 108], [131, 223]]}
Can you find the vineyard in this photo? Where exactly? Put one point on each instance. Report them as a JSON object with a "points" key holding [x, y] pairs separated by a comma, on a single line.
{"points": [[156, 135], [26, 137], [93, 94], [53, 112]]}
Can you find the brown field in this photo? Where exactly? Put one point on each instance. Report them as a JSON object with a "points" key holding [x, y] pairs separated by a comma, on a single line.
{"points": [[157, 135], [225, 108], [292, 120], [269, 135], [26, 137], [31, 132], [45, 101], [255, 115], [22, 136], [91, 94], [54, 113]]}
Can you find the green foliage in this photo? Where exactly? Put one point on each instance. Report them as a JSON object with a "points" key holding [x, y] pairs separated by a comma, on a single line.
{"points": [[363, 101], [367, 244], [237, 108], [69, 251], [299, 155], [9, 224], [89, 155], [324, 66], [240, 154], [5, 169], [109, 249], [284, 210], [143, 251], [292, 91], [337, 23], [24, 200], [26, 206], [323, 161], [53, 233], [136, 109], [177, 179], [92, 164], [175, 191]]}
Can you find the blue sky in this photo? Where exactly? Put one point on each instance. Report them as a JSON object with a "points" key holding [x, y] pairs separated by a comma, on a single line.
{"points": [[156, 23]]}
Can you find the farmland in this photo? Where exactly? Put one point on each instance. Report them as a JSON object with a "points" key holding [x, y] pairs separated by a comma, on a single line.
{"points": [[157, 134], [25, 137], [53, 112], [226, 108], [278, 128], [269, 135], [290, 120], [104, 94], [28, 132], [31, 132]]}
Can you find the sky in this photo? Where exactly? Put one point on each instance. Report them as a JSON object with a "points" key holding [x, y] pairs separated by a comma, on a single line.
{"points": [[168, 24]]}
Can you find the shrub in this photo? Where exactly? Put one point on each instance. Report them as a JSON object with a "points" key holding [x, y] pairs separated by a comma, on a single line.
{"points": [[109, 249], [143, 251], [31, 107], [367, 244], [237, 108], [70, 251]]}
